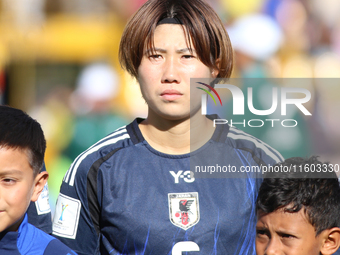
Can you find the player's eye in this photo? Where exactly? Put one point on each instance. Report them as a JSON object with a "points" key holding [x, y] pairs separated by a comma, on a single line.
{"points": [[155, 56], [8, 181], [188, 56]]}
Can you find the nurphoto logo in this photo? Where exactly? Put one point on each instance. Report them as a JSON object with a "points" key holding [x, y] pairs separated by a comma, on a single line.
{"points": [[293, 96]]}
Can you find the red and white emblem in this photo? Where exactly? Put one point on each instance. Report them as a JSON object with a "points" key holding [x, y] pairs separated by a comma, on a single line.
{"points": [[184, 209]]}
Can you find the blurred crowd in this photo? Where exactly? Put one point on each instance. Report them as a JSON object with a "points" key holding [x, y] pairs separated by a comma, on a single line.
{"points": [[58, 62]]}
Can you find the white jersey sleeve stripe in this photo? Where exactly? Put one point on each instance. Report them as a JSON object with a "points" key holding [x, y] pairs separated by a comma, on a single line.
{"points": [[237, 131], [264, 147], [91, 150], [115, 133]]}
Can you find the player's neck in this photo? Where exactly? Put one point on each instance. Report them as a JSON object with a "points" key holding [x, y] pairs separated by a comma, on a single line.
{"points": [[173, 136]]}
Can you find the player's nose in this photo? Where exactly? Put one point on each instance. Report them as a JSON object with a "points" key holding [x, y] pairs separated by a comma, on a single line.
{"points": [[170, 71]]}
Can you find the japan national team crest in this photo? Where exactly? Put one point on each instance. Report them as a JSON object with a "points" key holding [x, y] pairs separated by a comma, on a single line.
{"points": [[184, 209]]}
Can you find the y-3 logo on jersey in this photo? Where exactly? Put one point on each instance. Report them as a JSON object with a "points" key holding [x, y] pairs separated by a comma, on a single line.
{"points": [[187, 176]]}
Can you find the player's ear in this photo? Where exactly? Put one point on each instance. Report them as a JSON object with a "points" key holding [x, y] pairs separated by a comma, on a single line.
{"points": [[39, 183], [214, 71], [331, 241]]}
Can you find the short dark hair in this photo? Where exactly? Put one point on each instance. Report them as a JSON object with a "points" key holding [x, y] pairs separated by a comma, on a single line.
{"points": [[19, 131], [318, 197], [205, 31]]}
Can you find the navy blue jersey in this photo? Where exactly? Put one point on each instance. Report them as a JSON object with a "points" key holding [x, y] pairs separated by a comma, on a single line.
{"points": [[29, 240], [39, 212], [121, 196]]}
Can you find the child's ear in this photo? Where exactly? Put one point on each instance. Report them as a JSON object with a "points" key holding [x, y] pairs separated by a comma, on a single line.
{"points": [[39, 183], [331, 241]]}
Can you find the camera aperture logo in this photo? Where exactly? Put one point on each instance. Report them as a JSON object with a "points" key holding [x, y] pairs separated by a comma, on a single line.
{"points": [[238, 98], [208, 92]]}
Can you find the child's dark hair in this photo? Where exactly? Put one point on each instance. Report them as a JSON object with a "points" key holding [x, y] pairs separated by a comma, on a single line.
{"points": [[317, 193], [19, 131]]}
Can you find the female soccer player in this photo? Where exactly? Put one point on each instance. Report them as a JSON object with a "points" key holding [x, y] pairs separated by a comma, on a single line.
{"points": [[134, 192]]}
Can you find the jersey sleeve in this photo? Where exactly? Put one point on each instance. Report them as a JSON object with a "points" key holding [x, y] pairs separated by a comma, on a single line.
{"points": [[39, 212], [55, 247], [337, 252], [73, 219]]}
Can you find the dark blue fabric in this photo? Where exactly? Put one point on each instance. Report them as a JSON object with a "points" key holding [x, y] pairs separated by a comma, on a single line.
{"points": [[29, 240], [55, 247], [42, 221], [337, 252], [8, 244], [132, 182]]}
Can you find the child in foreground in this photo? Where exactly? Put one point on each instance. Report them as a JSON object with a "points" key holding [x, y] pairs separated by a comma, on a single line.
{"points": [[298, 213], [22, 148]]}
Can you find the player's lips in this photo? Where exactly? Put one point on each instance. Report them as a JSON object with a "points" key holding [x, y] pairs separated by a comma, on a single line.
{"points": [[171, 94]]}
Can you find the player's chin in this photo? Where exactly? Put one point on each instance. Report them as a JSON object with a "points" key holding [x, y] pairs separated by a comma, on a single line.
{"points": [[174, 115], [172, 111]]}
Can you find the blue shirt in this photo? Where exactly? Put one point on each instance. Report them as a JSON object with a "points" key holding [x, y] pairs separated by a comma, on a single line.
{"points": [[29, 240], [121, 196], [39, 212]]}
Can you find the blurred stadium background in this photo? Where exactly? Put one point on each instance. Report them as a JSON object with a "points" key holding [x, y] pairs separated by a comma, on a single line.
{"points": [[59, 63]]}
